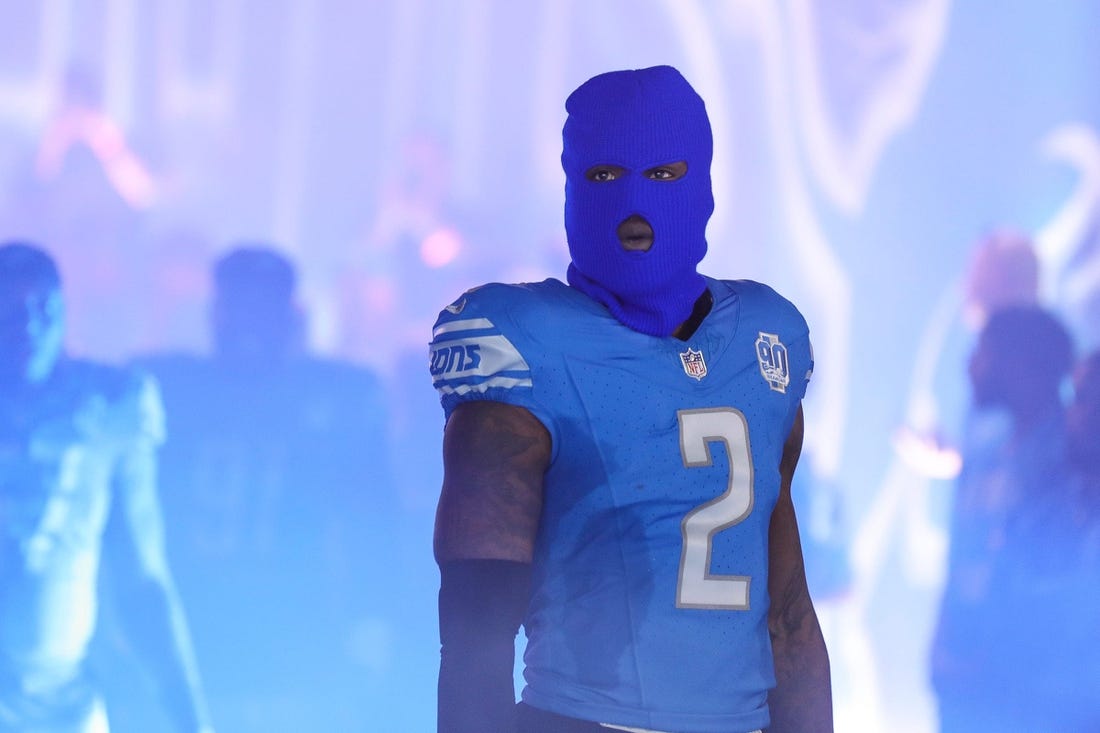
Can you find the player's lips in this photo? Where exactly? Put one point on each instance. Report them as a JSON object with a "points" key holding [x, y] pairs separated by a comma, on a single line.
{"points": [[635, 234]]}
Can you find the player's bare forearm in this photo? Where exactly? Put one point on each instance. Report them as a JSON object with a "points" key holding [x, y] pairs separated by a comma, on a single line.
{"points": [[494, 456], [802, 699]]}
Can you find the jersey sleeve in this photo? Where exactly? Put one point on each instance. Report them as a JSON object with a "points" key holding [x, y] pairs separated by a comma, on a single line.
{"points": [[481, 351], [800, 351], [784, 351], [800, 354], [808, 360]]}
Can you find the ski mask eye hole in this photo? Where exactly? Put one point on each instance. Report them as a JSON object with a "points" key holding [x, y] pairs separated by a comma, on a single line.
{"points": [[604, 173], [667, 172]]}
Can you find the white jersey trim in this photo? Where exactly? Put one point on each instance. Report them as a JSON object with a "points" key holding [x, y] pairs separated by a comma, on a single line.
{"points": [[502, 382], [468, 324]]}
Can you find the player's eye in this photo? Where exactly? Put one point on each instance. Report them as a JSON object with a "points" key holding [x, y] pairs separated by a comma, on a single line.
{"points": [[668, 172], [603, 173]]}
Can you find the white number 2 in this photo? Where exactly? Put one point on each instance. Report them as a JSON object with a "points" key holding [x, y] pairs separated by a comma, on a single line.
{"points": [[697, 587]]}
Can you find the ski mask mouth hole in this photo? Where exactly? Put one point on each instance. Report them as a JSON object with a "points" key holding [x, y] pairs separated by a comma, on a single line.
{"points": [[635, 234]]}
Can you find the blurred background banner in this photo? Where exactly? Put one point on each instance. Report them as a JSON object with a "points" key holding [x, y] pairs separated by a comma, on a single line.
{"points": [[400, 152]]}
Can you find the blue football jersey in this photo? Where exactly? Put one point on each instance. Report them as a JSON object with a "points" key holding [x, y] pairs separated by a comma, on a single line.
{"points": [[649, 605]]}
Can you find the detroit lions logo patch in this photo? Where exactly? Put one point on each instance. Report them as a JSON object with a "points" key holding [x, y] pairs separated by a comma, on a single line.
{"points": [[771, 354]]}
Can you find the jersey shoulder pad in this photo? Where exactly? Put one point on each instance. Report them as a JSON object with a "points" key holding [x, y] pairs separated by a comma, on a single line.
{"points": [[777, 320], [478, 343], [758, 297]]}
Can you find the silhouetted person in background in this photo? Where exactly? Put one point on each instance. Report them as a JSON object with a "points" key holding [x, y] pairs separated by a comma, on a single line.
{"points": [[999, 659], [77, 486], [1082, 625], [1084, 429], [278, 499], [1003, 271]]}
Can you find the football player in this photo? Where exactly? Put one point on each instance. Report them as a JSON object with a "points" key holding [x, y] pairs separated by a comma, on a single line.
{"points": [[618, 458]]}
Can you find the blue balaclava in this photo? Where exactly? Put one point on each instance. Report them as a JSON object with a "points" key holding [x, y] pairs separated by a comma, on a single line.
{"points": [[638, 120]]}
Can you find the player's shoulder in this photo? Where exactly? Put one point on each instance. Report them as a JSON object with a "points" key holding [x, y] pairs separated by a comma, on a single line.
{"points": [[486, 344], [520, 310], [757, 292], [514, 301], [759, 300]]}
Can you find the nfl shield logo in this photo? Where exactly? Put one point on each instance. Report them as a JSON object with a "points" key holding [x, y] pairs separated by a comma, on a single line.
{"points": [[694, 365]]}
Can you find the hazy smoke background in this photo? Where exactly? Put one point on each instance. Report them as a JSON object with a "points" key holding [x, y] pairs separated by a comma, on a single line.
{"points": [[403, 151]]}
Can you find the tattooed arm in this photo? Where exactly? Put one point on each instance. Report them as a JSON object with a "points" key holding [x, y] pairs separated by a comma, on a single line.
{"points": [[802, 699], [494, 459]]}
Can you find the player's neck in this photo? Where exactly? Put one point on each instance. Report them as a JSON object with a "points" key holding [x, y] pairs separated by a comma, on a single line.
{"points": [[703, 304]]}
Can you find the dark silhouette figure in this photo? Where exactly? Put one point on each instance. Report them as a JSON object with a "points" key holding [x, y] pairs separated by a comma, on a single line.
{"points": [[1000, 660], [281, 511], [77, 495], [1079, 617]]}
